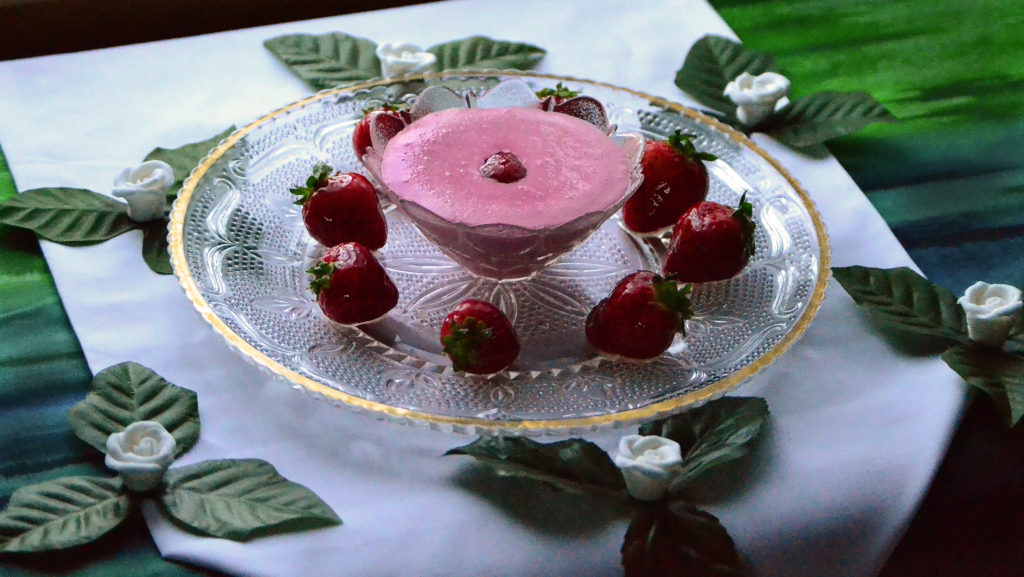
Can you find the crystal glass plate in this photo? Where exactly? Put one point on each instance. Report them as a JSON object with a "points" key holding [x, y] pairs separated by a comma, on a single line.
{"points": [[240, 251]]}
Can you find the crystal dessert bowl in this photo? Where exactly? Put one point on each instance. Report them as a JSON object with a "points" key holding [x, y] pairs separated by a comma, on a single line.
{"points": [[503, 182]]}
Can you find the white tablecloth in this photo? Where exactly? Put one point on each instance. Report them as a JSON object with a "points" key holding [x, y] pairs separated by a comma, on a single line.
{"points": [[857, 428]]}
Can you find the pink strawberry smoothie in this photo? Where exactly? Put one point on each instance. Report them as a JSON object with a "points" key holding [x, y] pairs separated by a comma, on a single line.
{"points": [[572, 168]]}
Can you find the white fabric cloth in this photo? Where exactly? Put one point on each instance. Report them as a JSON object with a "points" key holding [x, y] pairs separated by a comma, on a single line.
{"points": [[857, 427]]}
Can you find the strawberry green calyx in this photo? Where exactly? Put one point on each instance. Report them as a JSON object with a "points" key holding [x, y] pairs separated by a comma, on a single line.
{"points": [[465, 341], [559, 91], [388, 106], [670, 295], [683, 143], [744, 213], [321, 172], [321, 277]]}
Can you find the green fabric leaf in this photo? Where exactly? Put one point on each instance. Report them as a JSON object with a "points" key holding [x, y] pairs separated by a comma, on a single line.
{"points": [[480, 52], [62, 513], [242, 499], [678, 540], [998, 374], [712, 434], [327, 60], [823, 116], [185, 158], [713, 62], [154, 247], [573, 465], [129, 392], [905, 300], [67, 215]]}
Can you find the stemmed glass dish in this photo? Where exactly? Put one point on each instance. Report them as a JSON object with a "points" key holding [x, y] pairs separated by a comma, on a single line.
{"points": [[577, 170]]}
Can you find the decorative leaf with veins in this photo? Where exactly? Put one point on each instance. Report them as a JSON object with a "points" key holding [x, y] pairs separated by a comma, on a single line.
{"points": [[998, 374], [904, 299], [128, 392], [241, 499], [710, 435], [573, 465], [62, 513], [679, 540]]}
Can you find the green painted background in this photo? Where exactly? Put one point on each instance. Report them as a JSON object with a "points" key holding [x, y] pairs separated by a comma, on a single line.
{"points": [[948, 178]]}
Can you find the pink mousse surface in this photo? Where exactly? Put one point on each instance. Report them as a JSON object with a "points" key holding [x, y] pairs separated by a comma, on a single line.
{"points": [[572, 168]]}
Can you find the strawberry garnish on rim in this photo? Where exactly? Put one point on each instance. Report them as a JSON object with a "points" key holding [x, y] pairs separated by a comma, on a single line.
{"points": [[549, 97], [560, 92], [361, 134]]}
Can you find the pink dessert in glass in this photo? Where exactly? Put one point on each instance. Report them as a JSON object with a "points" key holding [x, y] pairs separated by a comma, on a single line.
{"points": [[505, 190]]}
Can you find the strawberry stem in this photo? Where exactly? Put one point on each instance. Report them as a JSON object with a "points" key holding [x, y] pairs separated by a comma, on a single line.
{"points": [[321, 277], [744, 213], [321, 172], [559, 91], [464, 342], [388, 106], [674, 298], [683, 143]]}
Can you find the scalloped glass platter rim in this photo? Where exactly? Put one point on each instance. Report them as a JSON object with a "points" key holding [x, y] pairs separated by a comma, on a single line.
{"points": [[219, 228]]}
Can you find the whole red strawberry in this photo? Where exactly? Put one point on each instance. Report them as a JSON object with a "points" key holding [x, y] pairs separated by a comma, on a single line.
{"points": [[341, 208], [479, 338], [640, 317], [711, 242], [350, 285], [361, 134], [675, 179]]}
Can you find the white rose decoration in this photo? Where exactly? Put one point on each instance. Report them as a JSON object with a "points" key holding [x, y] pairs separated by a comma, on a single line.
{"points": [[141, 454], [145, 189], [403, 59], [992, 311], [758, 97], [648, 464]]}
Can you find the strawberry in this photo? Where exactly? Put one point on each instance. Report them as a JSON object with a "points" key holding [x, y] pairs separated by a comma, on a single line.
{"points": [[361, 134], [351, 287], [341, 208], [503, 167], [478, 338], [640, 317], [711, 242], [549, 97], [675, 179]]}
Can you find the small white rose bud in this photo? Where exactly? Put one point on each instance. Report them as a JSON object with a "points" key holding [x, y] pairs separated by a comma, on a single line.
{"points": [[992, 311], [403, 59], [145, 189], [758, 97], [648, 464], [141, 454]]}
